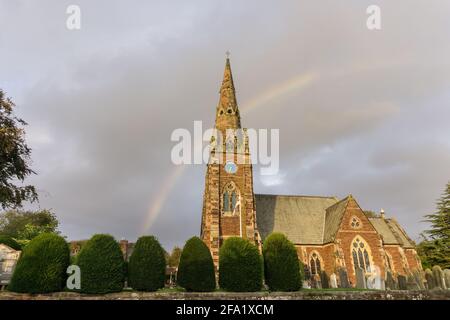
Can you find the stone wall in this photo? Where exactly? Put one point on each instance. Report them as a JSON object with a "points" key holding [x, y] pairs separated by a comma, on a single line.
{"points": [[300, 295]]}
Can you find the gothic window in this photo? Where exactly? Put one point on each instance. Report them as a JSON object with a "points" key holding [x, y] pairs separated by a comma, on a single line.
{"points": [[314, 263], [355, 223], [226, 201], [233, 200], [230, 200], [360, 254]]}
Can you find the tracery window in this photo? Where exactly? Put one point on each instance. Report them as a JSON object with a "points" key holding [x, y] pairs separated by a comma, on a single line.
{"points": [[355, 223], [360, 254], [230, 200], [314, 263]]}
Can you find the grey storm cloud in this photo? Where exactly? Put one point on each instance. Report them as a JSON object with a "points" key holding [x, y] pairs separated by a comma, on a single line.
{"points": [[359, 111]]}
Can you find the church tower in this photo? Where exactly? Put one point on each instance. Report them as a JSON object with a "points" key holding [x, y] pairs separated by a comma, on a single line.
{"points": [[228, 200]]}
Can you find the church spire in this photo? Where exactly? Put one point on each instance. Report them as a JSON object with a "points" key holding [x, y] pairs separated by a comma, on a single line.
{"points": [[227, 114]]}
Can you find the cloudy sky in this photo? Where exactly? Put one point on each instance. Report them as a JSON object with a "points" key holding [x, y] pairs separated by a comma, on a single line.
{"points": [[359, 111]]}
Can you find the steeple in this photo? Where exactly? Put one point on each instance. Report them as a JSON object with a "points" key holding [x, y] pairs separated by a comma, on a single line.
{"points": [[227, 113]]}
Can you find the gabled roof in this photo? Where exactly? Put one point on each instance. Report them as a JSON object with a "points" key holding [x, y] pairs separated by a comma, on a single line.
{"points": [[333, 218], [300, 218], [391, 232]]}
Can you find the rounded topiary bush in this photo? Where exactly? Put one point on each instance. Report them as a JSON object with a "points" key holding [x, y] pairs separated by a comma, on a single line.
{"points": [[10, 242], [42, 265], [196, 267], [240, 266], [101, 264], [147, 265], [281, 264]]}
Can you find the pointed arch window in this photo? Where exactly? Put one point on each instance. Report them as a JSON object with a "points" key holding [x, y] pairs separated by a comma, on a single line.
{"points": [[231, 200], [226, 201], [314, 263], [360, 254]]}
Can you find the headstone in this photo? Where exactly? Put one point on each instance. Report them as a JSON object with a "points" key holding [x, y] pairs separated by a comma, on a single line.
{"points": [[430, 279], [419, 277], [376, 282], [411, 283], [439, 279], [333, 281], [402, 283], [447, 278], [390, 281], [360, 278], [306, 284], [343, 278], [317, 282], [324, 280]]}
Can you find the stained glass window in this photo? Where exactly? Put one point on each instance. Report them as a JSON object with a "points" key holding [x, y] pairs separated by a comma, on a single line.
{"points": [[360, 255], [226, 201], [315, 264], [233, 201]]}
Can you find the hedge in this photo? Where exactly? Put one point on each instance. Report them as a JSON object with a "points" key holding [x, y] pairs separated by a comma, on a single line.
{"points": [[42, 265], [196, 267], [240, 266], [10, 242], [147, 266], [101, 264], [281, 264]]}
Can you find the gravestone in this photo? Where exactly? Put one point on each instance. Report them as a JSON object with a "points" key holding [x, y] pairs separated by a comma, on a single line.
{"points": [[438, 276], [317, 282], [333, 281], [390, 281], [418, 276], [402, 283], [324, 280], [360, 278], [447, 278], [430, 279], [411, 283], [376, 280], [343, 278], [306, 284]]}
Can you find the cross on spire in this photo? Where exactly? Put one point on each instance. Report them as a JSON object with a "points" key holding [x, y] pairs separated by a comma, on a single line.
{"points": [[227, 53]]}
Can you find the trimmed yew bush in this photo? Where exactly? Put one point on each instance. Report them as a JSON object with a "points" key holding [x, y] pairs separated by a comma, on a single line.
{"points": [[101, 264], [281, 264], [196, 267], [147, 266], [10, 242], [42, 265], [240, 266]]}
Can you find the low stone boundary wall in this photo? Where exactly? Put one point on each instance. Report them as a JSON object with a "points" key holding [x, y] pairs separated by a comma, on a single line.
{"points": [[300, 295]]}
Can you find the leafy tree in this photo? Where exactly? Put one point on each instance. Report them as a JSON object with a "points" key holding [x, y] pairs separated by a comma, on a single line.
{"points": [[174, 258], [435, 249], [371, 214], [196, 269], [25, 225], [42, 265], [281, 264], [240, 266], [10, 242], [102, 265], [147, 266], [14, 158]]}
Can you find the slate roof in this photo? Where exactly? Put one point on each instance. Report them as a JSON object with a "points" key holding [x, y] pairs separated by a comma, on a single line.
{"points": [[300, 218], [315, 219], [391, 232], [333, 218]]}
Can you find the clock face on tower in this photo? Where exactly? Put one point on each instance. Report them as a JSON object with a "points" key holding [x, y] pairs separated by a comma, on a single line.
{"points": [[230, 167]]}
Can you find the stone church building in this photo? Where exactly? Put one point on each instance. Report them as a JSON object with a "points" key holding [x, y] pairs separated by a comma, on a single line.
{"points": [[330, 235]]}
